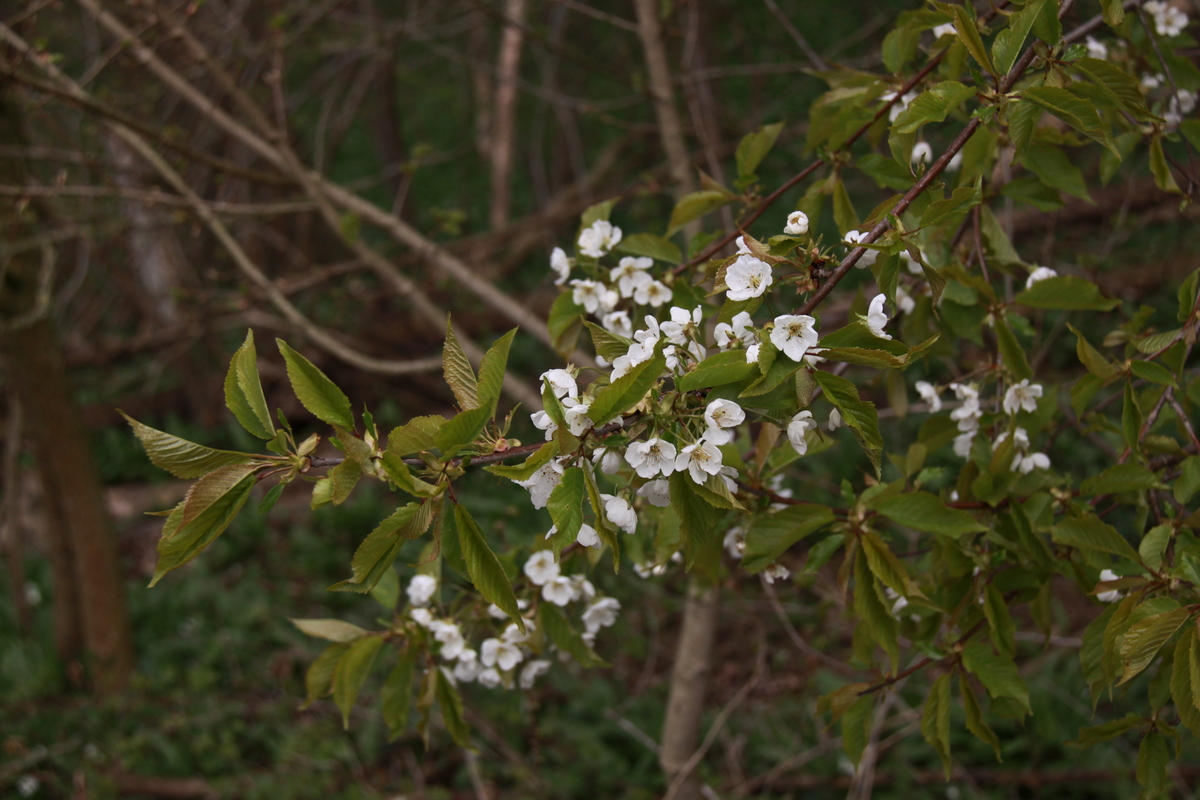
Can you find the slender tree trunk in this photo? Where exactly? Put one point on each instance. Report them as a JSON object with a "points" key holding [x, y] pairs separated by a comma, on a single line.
{"points": [[508, 64], [662, 91], [10, 534], [89, 595]]}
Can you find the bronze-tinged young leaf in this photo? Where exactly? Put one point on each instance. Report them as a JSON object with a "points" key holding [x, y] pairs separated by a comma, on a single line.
{"points": [[419, 433], [318, 679], [524, 471], [351, 673], [975, 722], [885, 566], [651, 246], [483, 568], [626, 392], [997, 674], [935, 720], [491, 371], [923, 511], [770, 535], [451, 704], [1090, 533], [211, 488], [378, 551], [697, 527], [695, 205], [1146, 637], [315, 391], [333, 630], [182, 458], [181, 543], [556, 625], [244, 394], [344, 477], [456, 368], [1108, 731], [858, 415], [396, 694]]}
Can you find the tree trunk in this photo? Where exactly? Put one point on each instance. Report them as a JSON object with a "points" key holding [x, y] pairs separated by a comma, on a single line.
{"points": [[508, 63]]}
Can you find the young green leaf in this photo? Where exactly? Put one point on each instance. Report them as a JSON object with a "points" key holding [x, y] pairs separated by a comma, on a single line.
{"points": [[316, 392], [396, 694], [651, 246], [1066, 292], [1074, 110], [695, 205], [1090, 533], [491, 371], [933, 105], [873, 615], [1146, 637], [419, 433], [333, 630], [566, 507], [935, 720], [697, 526], [523, 471], [998, 674], [860, 416], [451, 704], [968, 31], [378, 551], [753, 147], [483, 568], [244, 394], [182, 458], [975, 722], [770, 535], [626, 392], [556, 625], [351, 673], [318, 678], [565, 323], [181, 543], [456, 369]]}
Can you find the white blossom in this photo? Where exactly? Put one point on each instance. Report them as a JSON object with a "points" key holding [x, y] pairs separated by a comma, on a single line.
{"points": [[587, 293], [542, 483], [561, 265], [421, 589], [776, 572], [514, 635], [559, 590], [468, 667], [797, 224], [542, 421], [901, 104], [904, 300], [835, 420], [657, 493], [421, 616], [1168, 20], [1151, 81], [955, 162], [630, 273], [575, 415], [735, 542], [499, 653], [587, 536], [1113, 595], [562, 383], [1096, 48], [489, 678], [720, 416], [598, 238], [700, 460], [1022, 396], [451, 639], [531, 671], [747, 277], [619, 512], [794, 334], [653, 293], [752, 353], [651, 457], [1039, 274], [929, 393], [945, 29], [618, 322], [608, 301], [962, 443], [541, 567], [608, 459], [967, 415], [877, 318], [1028, 462], [729, 476], [27, 785], [601, 614], [797, 429], [1020, 439], [913, 266], [743, 249], [681, 319], [922, 153], [583, 587], [853, 238]]}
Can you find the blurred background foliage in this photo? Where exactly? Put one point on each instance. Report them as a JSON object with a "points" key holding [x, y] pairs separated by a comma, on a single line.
{"points": [[396, 100]]}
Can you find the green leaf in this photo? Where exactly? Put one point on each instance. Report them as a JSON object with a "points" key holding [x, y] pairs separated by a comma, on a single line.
{"points": [[975, 722], [1066, 292], [351, 673], [626, 392], [1089, 533], [1108, 731], [269, 499], [873, 615], [844, 214], [1183, 690], [462, 429], [491, 371], [695, 205], [858, 415], [1091, 358], [1008, 43], [770, 535], [958, 203], [597, 211], [1188, 482], [935, 720], [968, 32], [387, 590], [647, 244], [1128, 477], [564, 323], [456, 368], [1153, 372], [998, 243], [181, 543], [182, 458], [886, 566], [697, 527], [244, 394], [1146, 637], [378, 551], [419, 433], [1154, 545], [316, 392], [554, 622], [396, 694], [1076, 111], [1160, 169], [333, 630], [923, 511], [607, 344], [451, 704], [856, 726], [398, 473], [566, 508], [318, 678], [997, 674], [1114, 12], [524, 471], [343, 478], [1131, 418], [1054, 169], [1012, 354], [1000, 623], [718, 369], [754, 147], [483, 567], [1116, 84]]}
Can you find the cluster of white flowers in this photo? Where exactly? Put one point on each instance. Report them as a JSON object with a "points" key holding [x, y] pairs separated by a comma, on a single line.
{"points": [[1023, 460], [902, 104], [967, 416], [1168, 20], [854, 238], [1096, 48], [1022, 396], [599, 238]]}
